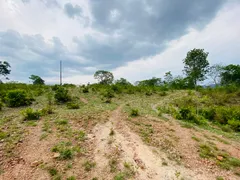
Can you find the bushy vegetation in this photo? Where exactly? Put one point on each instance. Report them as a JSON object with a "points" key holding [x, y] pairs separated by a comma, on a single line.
{"points": [[31, 114], [17, 98], [61, 95]]}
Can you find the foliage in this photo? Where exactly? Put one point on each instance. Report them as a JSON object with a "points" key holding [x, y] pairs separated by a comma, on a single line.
{"points": [[150, 82], [65, 150], [134, 112], [85, 90], [30, 114], [4, 68], [72, 105], [61, 95], [89, 165], [17, 98], [215, 72], [230, 74], [36, 80], [196, 65], [104, 77], [122, 82]]}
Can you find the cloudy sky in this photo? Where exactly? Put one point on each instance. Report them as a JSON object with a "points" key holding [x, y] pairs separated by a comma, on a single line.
{"points": [[134, 39]]}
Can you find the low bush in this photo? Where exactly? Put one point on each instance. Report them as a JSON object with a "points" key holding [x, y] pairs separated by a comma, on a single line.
{"points": [[47, 110], [17, 98], [30, 114], [107, 93], [85, 90], [134, 112], [64, 149], [61, 95], [72, 105]]}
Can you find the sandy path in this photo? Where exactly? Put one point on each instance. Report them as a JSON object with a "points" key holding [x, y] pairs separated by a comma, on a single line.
{"points": [[148, 165]]}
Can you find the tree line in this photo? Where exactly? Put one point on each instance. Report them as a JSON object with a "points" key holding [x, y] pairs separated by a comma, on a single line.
{"points": [[196, 69]]}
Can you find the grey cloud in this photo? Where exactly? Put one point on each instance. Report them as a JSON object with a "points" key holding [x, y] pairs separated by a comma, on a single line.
{"points": [[31, 54], [143, 26], [72, 11]]}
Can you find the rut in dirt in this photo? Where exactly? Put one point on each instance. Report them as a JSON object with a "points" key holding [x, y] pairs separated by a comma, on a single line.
{"points": [[147, 164]]}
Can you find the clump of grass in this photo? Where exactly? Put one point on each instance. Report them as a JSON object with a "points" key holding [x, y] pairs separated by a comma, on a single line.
{"points": [[89, 165], [219, 178], [3, 135], [53, 171], [127, 173], [196, 138], [81, 135], [61, 122], [111, 132], [206, 151], [134, 112], [72, 105], [113, 163], [65, 150], [71, 178], [31, 114]]}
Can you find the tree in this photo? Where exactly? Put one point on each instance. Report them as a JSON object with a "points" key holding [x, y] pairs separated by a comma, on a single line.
{"points": [[36, 80], [196, 66], [230, 74], [122, 81], [215, 72], [104, 77], [4, 68], [150, 82], [168, 77]]}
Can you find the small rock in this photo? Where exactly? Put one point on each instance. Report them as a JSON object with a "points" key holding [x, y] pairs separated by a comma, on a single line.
{"points": [[56, 155], [36, 163], [220, 158]]}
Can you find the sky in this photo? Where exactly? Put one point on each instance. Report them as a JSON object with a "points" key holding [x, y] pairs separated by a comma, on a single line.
{"points": [[134, 39]]}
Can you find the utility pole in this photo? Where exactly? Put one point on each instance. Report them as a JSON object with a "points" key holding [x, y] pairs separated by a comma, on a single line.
{"points": [[60, 73]]}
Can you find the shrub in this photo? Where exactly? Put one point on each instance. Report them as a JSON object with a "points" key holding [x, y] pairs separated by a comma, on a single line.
{"points": [[61, 95], [163, 93], [134, 112], [208, 113], [17, 98], [72, 105], [30, 114], [85, 90], [47, 110], [108, 93], [65, 150], [1, 105]]}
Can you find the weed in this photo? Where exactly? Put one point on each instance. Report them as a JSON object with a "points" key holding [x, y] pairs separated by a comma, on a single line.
{"points": [[61, 95], [72, 105], [206, 151], [71, 178], [111, 132], [30, 114], [89, 165], [219, 178], [66, 152], [134, 112], [52, 171], [196, 138], [61, 122], [113, 163]]}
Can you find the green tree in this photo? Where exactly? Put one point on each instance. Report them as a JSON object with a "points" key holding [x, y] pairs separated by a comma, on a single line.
{"points": [[4, 68], [168, 77], [36, 80], [122, 81], [230, 74], [215, 72], [150, 82], [196, 66], [104, 77]]}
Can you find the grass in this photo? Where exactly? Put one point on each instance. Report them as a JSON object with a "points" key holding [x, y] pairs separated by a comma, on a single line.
{"points": [[113, 163], [89, 165], [111, 132], [65, 149], [196, 138]]}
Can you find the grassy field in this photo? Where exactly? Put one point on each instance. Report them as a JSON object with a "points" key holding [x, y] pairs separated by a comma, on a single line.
{"points": [[97, 132]]}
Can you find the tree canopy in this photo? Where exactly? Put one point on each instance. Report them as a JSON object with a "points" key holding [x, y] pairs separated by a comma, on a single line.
{"points": [[4, 68], [37, 80], [196, 66], [104, 77], [230, 74]]}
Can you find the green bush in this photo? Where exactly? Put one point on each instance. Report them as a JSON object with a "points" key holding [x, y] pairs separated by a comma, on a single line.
{"points": [[108, 93], [1, 105], [61, 95], [134, 112], [30, 114], [47, 110], [17, 98], [85, 90], [72, 105]]}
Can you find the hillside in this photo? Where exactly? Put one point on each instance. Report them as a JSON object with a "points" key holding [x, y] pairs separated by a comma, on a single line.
{"points": [[111, 132]]}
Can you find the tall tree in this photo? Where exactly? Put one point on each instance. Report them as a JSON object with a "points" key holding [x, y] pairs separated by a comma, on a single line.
{"points": [[37, 80], [104, 77], [4, 68], [196, 66], [168, 77], [215, 72], [230, 74]]}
